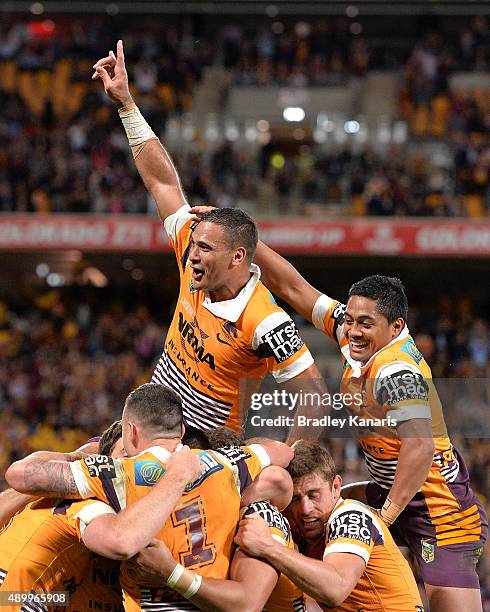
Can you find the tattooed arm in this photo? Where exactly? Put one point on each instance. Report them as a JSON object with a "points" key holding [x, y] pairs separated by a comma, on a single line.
{"points": [[44, 473]]}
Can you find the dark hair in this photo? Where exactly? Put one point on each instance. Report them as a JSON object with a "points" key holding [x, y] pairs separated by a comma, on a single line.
{"points": [[157, 410], [195, 438], [223, 436], [109, 438], [387, 291], [240, 228], [310, 457]]}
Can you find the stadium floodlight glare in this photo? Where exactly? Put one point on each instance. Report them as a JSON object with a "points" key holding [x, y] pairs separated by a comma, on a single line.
{"points": [[55, 280], [42, 270], [37, 8], [351, 127], [293, 113]]}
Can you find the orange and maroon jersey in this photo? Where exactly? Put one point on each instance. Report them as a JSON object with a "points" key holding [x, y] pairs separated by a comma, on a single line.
{"points": [[387, 582], [200, 530], [286, 595], [213, 347], [41, 551], [396, 384]]}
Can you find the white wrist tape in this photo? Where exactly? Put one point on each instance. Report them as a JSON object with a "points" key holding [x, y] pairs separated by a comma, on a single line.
{"points": [[137, 129], [175, 575], [390, 511], [194, 586]]}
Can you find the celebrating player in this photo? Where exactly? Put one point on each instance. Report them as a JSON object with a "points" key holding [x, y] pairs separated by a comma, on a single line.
{"points": [[419, 479], [357, 566], [226, 326]]}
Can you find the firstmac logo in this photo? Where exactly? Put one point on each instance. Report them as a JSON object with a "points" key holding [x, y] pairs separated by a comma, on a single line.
{"points": [[281, 342]]}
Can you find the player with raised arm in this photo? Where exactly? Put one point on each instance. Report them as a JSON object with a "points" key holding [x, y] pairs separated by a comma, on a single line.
{"points": [[226, 327], [419, 480], [201, 527], [350, 561]]}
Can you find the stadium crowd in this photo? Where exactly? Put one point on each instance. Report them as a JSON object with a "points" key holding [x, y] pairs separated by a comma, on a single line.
{"points": [[67, 153]]}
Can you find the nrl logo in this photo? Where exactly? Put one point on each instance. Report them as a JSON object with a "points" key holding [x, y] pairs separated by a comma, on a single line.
{"points": [[427, 551]]}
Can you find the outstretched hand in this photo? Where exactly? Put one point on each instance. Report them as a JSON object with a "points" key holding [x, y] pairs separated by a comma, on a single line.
{"points": [[111, 70]]}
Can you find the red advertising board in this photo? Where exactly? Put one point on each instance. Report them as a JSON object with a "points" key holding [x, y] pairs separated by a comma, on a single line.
{"points": [[360, 236]]}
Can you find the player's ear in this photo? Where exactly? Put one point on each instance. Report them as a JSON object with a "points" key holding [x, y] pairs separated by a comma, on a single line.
{"points": [[182, 430], [336, 486], [239, 256], [397, 326]]}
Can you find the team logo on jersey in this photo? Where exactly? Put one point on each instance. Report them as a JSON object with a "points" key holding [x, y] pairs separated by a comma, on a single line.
{"points": [[282, 342], [427, 551], [353, 525], [401, 386], [100, 466], [147, 473], [410, 348]]}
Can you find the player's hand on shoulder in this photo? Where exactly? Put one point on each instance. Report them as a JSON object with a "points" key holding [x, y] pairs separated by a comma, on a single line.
{"points": [[184, 465], [253, 535], [151, 564], [112, 72]]}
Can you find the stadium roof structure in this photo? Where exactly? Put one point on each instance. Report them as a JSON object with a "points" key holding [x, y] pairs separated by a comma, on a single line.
{"points": [[270, 8]]}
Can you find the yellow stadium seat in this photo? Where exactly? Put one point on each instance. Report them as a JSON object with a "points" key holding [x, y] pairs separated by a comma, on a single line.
{"points": [[474, 206], [440, 112], [359, 206], [420, 123], [167, 95], [8, 76]]}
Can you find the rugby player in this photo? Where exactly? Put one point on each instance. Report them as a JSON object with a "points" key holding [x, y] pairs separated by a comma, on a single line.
{"points": [[200, 529], [350, 559], [227, 332], [40, 548], [253, 584], [419, 479]]}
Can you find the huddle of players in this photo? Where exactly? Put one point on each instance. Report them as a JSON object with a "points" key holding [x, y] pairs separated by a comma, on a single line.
{"points": [[226, 325], [47, 547]]}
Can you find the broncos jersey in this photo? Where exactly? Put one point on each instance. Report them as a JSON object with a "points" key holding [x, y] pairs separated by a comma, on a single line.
{"points": [[396, 385], [286, 595], [41, 551], [200, 530], [387, 583], [212, 348]]}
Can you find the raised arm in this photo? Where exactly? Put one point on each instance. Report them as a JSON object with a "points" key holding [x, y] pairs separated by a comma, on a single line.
{"points": [[152, 160], [283, 280]]}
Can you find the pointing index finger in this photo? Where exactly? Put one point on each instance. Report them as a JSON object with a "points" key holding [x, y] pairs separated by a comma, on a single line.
{"points": [[120, 53]]}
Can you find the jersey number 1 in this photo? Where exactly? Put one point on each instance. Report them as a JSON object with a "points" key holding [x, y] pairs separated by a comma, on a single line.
{"points": [[193, 517]]}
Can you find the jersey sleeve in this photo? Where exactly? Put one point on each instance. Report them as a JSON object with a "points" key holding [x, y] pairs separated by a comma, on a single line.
{"points": [[328, 316], [101, 477], [353, 529], [246, 461], [278, 524], [402, 390], [277, 339], [179, 228]]}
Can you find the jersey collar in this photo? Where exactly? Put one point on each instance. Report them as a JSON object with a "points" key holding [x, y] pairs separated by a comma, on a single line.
{"points": [[358, 366], [162, 454], [231, 310]]}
